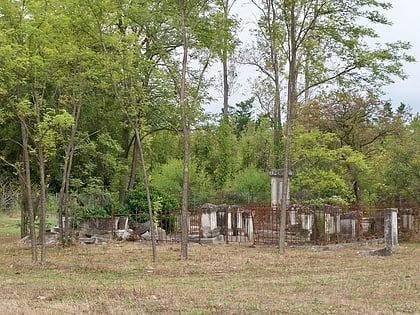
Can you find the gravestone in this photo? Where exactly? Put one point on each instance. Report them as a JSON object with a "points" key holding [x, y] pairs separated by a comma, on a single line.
{"points": [[391, 228], [208, 226], [390, 234]]}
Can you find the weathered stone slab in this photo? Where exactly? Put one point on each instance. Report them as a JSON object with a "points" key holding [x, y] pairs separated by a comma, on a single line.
{"points": [[87, 240]]}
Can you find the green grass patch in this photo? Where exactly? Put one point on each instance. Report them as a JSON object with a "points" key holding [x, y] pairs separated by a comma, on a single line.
{"points": [[9, 225]]}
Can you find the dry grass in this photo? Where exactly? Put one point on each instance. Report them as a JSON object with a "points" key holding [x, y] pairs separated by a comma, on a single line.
{"points": [[217, 279]]}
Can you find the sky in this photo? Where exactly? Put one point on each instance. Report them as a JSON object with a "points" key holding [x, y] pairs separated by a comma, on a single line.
{"points": [[406, 26]]}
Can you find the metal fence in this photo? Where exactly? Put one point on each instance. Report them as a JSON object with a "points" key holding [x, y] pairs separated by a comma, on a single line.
{"points": [[314, 224]]}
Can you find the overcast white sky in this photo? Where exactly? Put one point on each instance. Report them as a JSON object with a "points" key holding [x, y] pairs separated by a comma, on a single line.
{"points": [[405, 16], [406, 26]]}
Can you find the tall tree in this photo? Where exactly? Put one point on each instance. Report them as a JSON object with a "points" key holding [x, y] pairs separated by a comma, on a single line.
{"points": [[227, 26], [267, 55], [186, 68], [332, 24]]}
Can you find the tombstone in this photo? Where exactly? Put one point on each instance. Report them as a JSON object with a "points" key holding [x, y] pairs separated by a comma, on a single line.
{"points": [[338, 223], [306, 224], [390, 228], [348, 225], [239, 222], [366, 225], [293, 217], [249, 226], [228, 223], [406, 216], [208, 226], [277, 187], [390, 234], [121, 223], [141, 228]]}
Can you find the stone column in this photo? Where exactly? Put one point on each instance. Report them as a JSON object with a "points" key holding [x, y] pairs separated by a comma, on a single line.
{"points": [[249, 226], [390, 228], [277, 187], [209, 226]]}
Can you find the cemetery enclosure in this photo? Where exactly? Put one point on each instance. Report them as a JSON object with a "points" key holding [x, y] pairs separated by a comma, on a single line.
{"points": [[316, 224]]}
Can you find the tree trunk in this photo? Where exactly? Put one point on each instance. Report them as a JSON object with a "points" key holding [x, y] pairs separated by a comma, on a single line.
{"points": [[358, 195], [24, 213], [42, 183], [134, 161], [28, 189], [147, 187], [123, 184], [43, 200], [291, 102], [63, 196], [185, 130], [272, 17], [225, 86]]}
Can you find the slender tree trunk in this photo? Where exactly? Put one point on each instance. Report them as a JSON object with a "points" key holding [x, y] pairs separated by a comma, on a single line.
{"points": [[28, 189], [63, 196], [185, 129], [225, 85], [134, 162], [291, 102], [225, 71], [24, 213], [272, 16], [43, 201], [123, 182], [42, 183], [358, 195], [148, 197]]}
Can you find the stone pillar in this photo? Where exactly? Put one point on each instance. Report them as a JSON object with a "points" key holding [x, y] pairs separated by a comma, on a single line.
{"points": [[249, 226], [277, 187], [229, 230], [209, 226], [390, 228]]}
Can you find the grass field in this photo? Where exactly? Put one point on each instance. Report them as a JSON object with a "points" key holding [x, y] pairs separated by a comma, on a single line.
{"points": [[119, 278]]}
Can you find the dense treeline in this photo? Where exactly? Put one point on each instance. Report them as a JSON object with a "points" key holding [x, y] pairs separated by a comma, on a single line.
{"points": [[105, 97]]}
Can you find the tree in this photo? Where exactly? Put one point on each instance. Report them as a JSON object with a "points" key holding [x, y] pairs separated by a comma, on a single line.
{"points": [[242, 115], [320, 175], [332, 24], [168, 178], [401, 167], [267, 55], [227, 27], [225, 149], [195, 20], [359, 123]]}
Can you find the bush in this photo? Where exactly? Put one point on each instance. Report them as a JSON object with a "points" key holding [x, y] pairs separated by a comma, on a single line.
{"points": [[164, 207]]}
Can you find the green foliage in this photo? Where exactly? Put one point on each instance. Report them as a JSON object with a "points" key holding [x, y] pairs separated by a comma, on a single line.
{"points": [[108, 56], [320, 168], [225, 152], [242, 115], [252, 182], [400, 166], [162, 204], [167, 178], [255, 146]]}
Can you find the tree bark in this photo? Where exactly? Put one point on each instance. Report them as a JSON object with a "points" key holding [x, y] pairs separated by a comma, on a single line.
{"points": [[185, 130], [291, 102], [63, 196], [42, 184], [147, 187], [28, 189]]}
